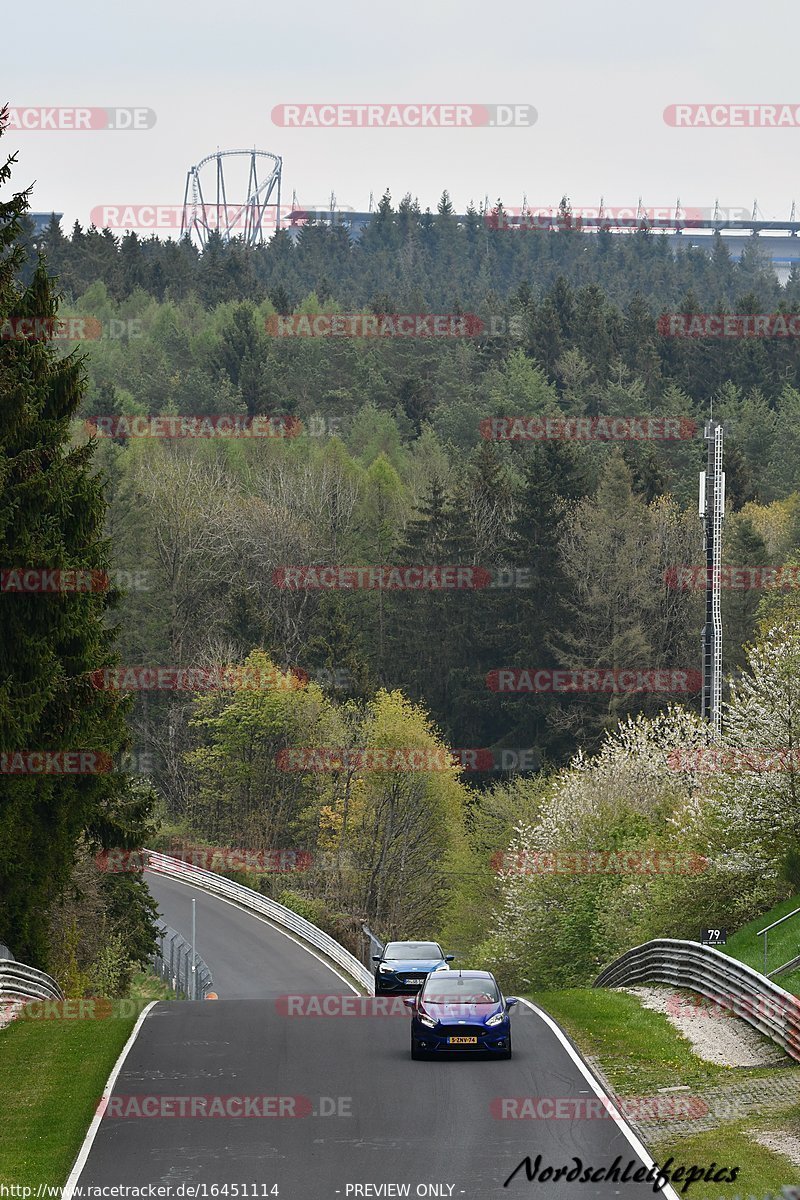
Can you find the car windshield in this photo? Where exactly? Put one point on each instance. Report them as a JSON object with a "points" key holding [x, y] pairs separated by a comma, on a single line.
{"points": [[401, 950], [461, 990]]}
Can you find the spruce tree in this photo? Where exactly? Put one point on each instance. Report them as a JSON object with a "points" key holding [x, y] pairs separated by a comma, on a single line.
{"points": [[51, 517]]}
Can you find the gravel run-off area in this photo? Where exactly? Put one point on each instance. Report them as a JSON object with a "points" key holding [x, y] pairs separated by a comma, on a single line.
{"points": [[716, 1035]]}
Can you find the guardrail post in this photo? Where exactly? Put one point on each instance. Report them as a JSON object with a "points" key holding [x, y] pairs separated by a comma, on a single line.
{"points": [[161, 966], [194, 953]]}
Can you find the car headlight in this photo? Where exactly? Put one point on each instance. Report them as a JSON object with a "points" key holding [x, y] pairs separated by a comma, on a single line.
{"points": [[426, 1020], [497, 1019], [384, 968], [441, 967]]}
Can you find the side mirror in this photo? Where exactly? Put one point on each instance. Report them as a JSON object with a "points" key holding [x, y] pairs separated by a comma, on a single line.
{"points": [[449, 957], [377, 957], [409, 1001], [511, 1001]]}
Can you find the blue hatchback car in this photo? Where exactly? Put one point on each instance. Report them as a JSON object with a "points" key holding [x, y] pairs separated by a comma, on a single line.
{"points": [[404, 966], [459, 1011]]}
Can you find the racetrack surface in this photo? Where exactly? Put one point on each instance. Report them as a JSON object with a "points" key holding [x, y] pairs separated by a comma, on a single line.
{"points": [[392, 1121]]}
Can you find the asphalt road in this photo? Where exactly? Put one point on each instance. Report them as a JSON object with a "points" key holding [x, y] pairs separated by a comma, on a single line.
{"points": [[355, 1110], [249, 960]]}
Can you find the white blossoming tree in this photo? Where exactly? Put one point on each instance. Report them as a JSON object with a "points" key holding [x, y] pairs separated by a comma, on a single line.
{"points": [[760, 781], [634, 843], [555, 898]]}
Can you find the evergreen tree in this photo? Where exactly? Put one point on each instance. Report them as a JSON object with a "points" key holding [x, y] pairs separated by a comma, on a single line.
{"points": [[743, 546], [51, 517], [531, 619]]}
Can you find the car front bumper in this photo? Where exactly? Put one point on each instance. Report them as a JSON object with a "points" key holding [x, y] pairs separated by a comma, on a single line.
{"points": [[391, 985], [439, 1041]]}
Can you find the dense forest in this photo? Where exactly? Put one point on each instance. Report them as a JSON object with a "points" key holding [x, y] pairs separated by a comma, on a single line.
{"points": [[576, 543]]}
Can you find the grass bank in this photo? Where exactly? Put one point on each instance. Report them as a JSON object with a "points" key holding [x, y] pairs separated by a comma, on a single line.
{"points": [[640, 1052], [54, 1072], [783, 943]]}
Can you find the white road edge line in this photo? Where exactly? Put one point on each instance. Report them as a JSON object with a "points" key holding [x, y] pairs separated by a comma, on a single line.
{"points": [[88, 1141], [83, 1153], [264, 921], [616, 1116]]}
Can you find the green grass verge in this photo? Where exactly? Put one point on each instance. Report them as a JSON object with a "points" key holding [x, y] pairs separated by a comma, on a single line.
{"points": [[145, 988], [54, 1072], [783, 943], [639, 1051], [762, 1171]]}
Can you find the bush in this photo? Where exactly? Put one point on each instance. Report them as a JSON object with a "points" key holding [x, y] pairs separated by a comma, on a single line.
{"points": [[101, 928], [305, 906], [110, 974], [790, 869]]}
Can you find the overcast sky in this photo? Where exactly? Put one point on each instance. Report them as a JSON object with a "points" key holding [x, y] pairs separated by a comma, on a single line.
{"points": [[599, 75]]}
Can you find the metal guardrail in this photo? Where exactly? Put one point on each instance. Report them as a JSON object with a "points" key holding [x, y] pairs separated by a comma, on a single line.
{"points": [[726, 981], [765, 933], [787, 966], [172, 962], [253, 901], [375, 943], [18, 982]]}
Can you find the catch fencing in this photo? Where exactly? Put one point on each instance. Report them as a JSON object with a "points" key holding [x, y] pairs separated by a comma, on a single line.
{"points": [[172, 962]]}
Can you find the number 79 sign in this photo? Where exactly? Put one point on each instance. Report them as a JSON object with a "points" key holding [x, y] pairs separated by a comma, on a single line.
{"points": [[713, 937]]}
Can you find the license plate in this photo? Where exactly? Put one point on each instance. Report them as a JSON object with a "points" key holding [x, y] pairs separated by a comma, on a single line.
{"points": [[462, 1041], [415, 981]]}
